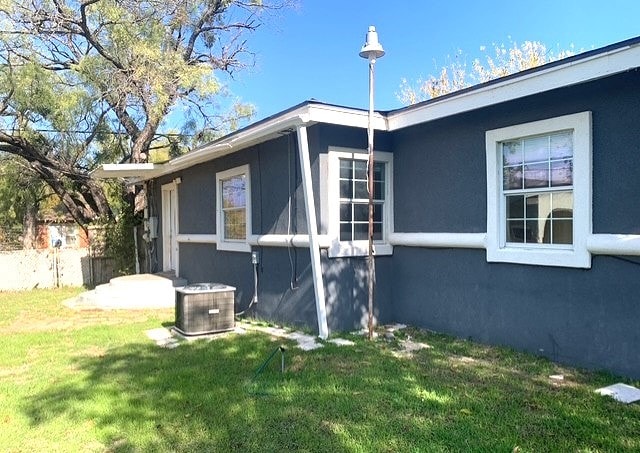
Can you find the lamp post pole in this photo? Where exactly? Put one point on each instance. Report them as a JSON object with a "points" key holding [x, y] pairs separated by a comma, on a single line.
{"points": [[371, 50]]}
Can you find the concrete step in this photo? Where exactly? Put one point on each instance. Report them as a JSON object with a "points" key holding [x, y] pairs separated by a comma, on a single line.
{"points": [[143, 291]]}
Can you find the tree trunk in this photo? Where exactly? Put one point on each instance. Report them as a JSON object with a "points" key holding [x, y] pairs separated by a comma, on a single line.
{"points": [[29, 227]]}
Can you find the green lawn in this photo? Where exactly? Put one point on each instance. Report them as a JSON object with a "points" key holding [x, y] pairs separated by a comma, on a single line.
{"points": [[92, 381]]}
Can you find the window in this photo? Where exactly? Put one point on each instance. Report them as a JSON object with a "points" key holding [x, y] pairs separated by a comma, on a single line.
{"points": [[234, 209], [348, 202], [539, 192]]}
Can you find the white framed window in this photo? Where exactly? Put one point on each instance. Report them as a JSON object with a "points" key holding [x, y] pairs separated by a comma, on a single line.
{"points": [[348, 202], [539, 192], [233, 212]]}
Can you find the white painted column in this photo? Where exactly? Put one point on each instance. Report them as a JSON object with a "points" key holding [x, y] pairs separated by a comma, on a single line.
{"points": [[312, 228]]}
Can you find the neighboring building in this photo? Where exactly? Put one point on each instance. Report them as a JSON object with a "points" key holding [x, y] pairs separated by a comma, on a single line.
{"points": [[60, 234], [507, 213]]}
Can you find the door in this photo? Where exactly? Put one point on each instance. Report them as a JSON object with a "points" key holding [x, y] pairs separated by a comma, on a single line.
{"points": [[170, 228]]}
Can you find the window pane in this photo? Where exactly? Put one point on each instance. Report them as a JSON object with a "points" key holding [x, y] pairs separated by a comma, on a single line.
{"points": [[360, 190], [515, 206], [377, 231], [360, 231], [563, 205], [512, 178], [345, 232], [538, 206], [515, 231], [561, 145], [562, 231], [233, 192], [562, 173], [536, 149], [378, 171], [346, 169], [360, 212], [378, 190], [346, 189], [360, 169], [235, 226], [536, 175], [377, 212], [531, 232], [512, 153], [345, 212]]}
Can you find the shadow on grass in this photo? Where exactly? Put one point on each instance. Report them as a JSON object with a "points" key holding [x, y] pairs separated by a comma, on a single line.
{"points": [[203, 396]]}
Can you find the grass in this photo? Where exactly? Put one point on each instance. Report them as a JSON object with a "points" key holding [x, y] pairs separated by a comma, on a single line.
{"points": [[92, 381]]}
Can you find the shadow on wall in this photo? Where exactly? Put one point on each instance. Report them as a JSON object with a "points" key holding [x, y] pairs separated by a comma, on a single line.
{"points": [[290, 304], [347, 293]]}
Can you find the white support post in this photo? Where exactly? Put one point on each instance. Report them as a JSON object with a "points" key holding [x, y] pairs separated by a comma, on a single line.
{"points": [[312, 228]]}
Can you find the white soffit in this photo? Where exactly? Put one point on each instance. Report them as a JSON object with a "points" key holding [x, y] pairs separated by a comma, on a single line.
{"points": [[144, 171], [344, 116], [538, 81]]}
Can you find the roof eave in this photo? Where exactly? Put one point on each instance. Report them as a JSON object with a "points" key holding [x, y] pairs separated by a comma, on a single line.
{"points": [[549, 77], [307, 113]]}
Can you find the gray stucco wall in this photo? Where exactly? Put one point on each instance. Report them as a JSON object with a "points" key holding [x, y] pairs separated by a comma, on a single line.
{"points": [[285, 288], [586, 317]]}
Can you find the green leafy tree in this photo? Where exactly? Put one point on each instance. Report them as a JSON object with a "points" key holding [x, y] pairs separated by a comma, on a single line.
{"points": [[456, 76], [89, 81], [21, 194]]}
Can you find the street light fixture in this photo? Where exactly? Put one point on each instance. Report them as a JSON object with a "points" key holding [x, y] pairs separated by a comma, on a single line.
{"points": [[371, 50]]}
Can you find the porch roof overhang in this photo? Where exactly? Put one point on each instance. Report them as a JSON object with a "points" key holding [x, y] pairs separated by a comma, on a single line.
{"points": [[126, 171], [306, 113]]}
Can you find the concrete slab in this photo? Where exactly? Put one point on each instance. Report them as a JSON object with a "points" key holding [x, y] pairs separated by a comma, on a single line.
{"points": [[621, 392], [130, 292]]}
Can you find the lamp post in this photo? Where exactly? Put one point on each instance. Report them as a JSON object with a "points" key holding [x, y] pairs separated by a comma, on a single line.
{"points": [[371, 50]]}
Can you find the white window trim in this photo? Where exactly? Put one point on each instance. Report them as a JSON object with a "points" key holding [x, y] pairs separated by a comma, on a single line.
{"points": [[356, 248], [578, 255], [222, 242]]}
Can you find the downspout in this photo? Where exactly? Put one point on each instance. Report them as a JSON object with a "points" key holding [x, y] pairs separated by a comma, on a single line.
{"points": [[312, 228]]}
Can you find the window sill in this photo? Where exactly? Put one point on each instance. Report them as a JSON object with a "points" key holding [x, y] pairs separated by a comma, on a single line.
{"points": [[233, 246], [537, 257], [358, 248]]}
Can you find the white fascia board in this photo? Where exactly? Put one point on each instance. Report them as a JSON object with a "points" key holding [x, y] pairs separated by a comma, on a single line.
{"points": [[345, 116], [570, 73]]}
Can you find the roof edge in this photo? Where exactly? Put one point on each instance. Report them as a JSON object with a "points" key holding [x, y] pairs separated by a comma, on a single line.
{"points": [[580, 68]]}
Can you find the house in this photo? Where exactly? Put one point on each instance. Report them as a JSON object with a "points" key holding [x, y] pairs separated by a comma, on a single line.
{"points": [[507, 213], [65, 233]]}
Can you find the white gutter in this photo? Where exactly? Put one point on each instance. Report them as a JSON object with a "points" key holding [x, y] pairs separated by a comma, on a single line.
{"points": [[312, 228]]}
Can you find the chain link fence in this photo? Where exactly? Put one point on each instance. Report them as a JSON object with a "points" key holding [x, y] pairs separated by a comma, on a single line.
{"points": [[10, 238]]}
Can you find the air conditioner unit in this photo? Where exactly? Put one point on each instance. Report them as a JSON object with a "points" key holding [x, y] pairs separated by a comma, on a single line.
{"points": [[205, 308]]}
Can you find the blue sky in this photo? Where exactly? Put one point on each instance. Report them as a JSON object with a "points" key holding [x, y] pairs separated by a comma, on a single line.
{"points": [[312, 51]]}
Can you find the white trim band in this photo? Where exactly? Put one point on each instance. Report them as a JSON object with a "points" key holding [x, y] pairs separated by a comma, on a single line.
{"points": [[264, 240], [614, 244], [198, 238], [439, 240], [287, 240]]}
